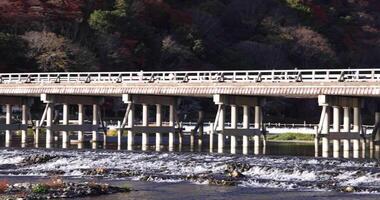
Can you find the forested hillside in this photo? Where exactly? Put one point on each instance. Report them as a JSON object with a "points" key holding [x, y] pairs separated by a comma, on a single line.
{"points": [[110, 35]]}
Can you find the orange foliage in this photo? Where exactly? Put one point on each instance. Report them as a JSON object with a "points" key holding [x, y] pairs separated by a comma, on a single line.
{"points": [[3, 186]]}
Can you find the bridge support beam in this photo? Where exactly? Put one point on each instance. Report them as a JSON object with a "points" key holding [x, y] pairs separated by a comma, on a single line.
{"points": [[233, 126], [336, 134], [200, 130], [325, 131], [159, 124], [145, 128], [64, 127], [377, 132], [336, 128], [24, 121], [171, 123], [346, 129], [131, 134], [8, 119], [220, 130], [246, 120], [80, 122], [258, 124], [145, 136], [246, 102], [49, 122], [9, 127], [65, 121], [95, 122]]}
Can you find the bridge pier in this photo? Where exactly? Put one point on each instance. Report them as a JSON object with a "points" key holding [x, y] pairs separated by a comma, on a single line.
{"points": [[233, 126], [233, 131], [258, 124], [65, 127], [159, 124], [246, 120], [346, 129], [171, 123], [325, 131], [144, 135], [131, 134], [376, 131], [145, 128], [336, 128], [65, 121], [80, 122], [24, 103], [220, 129], [8, 133], [336, 134]]}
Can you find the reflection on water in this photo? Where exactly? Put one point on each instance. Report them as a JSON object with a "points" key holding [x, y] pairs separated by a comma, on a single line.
{"points": [[271, 148], [287, 166]]}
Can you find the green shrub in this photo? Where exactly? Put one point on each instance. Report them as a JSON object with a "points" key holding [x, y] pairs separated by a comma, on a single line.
{"points": [[298, 5], [40, 189]]}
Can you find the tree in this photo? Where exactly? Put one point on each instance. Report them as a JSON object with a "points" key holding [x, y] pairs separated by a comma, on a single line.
{"points": [[12, 51], [56, 53]]}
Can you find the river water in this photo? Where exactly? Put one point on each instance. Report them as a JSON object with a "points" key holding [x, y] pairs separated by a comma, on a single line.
{"points": [[286, 171]]}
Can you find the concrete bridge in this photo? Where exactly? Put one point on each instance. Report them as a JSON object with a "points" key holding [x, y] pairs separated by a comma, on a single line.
{"points": [[341, 90]]}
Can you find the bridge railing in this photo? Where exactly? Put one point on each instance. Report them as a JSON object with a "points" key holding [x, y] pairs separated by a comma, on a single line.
{"points": [[328, 75]]}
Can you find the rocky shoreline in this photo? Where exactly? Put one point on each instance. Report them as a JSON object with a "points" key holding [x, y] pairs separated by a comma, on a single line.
{"points": [[56, 189]]}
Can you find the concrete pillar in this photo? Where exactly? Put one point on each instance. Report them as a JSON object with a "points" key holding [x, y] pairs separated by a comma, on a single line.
{"points": [[364, 147], [171, 123], [8, 133], [336, 147], [211, 140], [192, 140], [180, 136], [336, 128], [233, 126], [200, 130], [256, 138], [220, 129], [356, 119], [37, 134], [200, 136], [119, 135], [245, 126], [325, 132], [131, 124], [24, 121], [316, 142], [49, 120], [346, 119], [80, 122], [65, 121], [145, 137], [356, 128], [346, 128], [377, 136], [95, 122], [158, 123], [336, 119], [105, 136], [355, 148]]}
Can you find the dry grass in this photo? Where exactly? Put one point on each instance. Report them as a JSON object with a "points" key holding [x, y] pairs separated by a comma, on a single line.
{"points": [[55, 182]]}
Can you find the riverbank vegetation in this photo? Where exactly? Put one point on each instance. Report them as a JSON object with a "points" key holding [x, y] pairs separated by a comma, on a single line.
{"points": [[290, 137], [82, 35]]}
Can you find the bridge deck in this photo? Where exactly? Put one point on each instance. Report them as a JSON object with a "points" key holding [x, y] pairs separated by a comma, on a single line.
{"points": [[281, 89]]}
